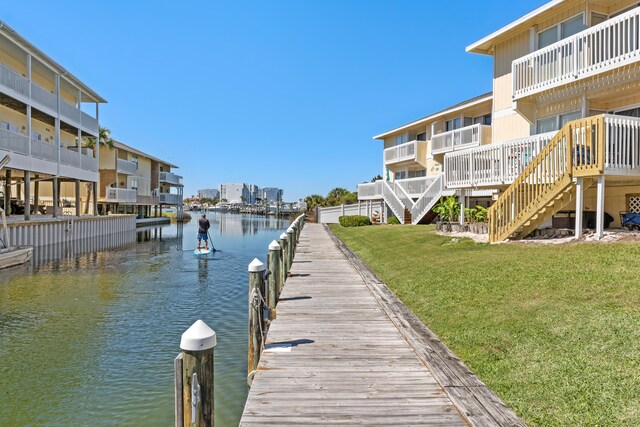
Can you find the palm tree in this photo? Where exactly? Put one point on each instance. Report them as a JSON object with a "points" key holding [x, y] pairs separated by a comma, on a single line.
{"points": [[104, 139]]}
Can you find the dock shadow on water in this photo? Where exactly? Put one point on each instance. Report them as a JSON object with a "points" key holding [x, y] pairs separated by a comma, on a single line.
{"points": [[101, 321]]}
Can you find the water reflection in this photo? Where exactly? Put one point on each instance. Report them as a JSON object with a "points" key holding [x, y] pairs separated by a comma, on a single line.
{"points": [[101, 320]]}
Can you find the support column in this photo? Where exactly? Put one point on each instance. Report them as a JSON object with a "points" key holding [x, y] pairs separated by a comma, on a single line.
{"points": [[7, 192], [94, 186], [600, 208], [36, 192], [579, 206], [56, 196], [78, 199], [462, 197], [27, 195]]}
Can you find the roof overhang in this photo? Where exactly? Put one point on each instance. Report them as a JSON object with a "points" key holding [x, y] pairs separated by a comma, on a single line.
{"points": [[118, 144], [13, 35], [470, 103], [485, 45]]}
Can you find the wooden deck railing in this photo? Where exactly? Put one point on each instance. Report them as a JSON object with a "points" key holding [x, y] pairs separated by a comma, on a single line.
{"points": [[577, 150]]}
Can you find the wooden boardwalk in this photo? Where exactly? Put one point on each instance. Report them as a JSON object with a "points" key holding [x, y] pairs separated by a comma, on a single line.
{"points": [[334, 357]]}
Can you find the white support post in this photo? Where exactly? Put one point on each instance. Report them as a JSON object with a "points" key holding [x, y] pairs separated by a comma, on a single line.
{"points": [[79, 131], [579, 206], [600, 208], [29, 134], [57, 121], [462, 198]]}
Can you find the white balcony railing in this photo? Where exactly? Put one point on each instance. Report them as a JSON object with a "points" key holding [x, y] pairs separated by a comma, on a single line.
{"points": [[393, 200], [14, 81], [402, 153], [43, 97], [603, 47], [370, 191], [414, 187], [121, 195], [126, 167], [623, 144], [44, 150], [427, 200], [68, 157], [10, 79], [494, 164], [170, 199], [88, 163], [170, 178], [14, 142], [460, 139]]}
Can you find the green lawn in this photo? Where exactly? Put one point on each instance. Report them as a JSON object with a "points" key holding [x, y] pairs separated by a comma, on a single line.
{"points": [[553, 330]]}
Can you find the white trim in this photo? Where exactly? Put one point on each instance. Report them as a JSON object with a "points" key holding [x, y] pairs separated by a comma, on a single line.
{"points": [[503, 113], [434, 116], [476, 47]]}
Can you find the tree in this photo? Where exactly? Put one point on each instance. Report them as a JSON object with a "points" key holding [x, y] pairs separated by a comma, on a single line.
{"points": [[313, 201], [104, 139], [376, 178], [339, 196]]}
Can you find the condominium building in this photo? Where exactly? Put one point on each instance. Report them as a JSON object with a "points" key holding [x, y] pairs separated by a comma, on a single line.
{"points": [[209, 193], [46, 131], [254, 193], [564, 127], [132, 181], [236, 192], [271, 194]]}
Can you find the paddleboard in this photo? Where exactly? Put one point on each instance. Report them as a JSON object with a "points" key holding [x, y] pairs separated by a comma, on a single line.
{"points": [[202, 251]]}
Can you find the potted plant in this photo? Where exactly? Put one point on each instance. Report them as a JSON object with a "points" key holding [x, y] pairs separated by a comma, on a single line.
{"points": [[448, 208]]}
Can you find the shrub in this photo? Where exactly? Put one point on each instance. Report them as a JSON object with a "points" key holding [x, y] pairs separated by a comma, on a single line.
{"points": [[354, 221], [393, 220]]}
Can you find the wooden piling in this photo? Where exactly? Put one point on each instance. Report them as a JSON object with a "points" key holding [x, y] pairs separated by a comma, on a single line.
{"points": [[290, 247], [256, 315], [273, 264], [284, 245], [194, 377]]}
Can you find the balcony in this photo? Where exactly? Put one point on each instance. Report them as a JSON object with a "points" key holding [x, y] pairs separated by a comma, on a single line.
{"points": [[461, 139], [414, 187], [170, 178], [126, 167], [121, 195], [414, 151], [19, 144], [16, 85], [494, 164], [170, 199], [596, 50], [370, 191]]}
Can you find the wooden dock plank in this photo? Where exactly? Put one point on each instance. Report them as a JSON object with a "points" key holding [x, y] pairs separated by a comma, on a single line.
{"points": [[333, 356]]}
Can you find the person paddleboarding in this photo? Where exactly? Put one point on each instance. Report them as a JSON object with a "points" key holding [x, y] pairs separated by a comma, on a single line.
{"points": [[203, 233]]}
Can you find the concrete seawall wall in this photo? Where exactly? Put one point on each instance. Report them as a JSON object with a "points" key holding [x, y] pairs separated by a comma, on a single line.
{"points": [[60, 230]]}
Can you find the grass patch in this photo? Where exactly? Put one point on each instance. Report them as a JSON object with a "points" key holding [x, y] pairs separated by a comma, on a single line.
{"points": [[553, 330]]}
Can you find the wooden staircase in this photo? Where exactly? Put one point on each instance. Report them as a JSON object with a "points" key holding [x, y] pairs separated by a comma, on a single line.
{"points": [[546, 185]]}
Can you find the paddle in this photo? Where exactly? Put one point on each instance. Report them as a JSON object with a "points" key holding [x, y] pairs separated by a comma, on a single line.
{"points": [[211, 243]]}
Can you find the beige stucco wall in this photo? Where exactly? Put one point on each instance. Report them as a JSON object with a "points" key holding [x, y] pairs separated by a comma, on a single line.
{"points": [[614, 200]]}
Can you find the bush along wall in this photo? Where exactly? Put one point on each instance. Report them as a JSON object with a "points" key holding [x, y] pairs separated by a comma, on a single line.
{"points": [[354, 221]]}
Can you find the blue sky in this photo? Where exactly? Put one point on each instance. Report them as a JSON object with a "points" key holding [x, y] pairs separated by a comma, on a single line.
{"points": [[275, 93]]}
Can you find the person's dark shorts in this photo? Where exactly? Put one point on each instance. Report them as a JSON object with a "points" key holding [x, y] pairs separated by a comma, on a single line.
{"points": [[203, 236]]}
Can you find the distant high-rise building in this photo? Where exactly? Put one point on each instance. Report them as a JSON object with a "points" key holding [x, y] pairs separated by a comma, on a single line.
{"points": [[271, 194], [236, 192], [254, 193], [209, 193]]}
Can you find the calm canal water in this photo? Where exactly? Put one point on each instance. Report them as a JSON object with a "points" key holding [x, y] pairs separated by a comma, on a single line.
{"points": [[88, 332]]}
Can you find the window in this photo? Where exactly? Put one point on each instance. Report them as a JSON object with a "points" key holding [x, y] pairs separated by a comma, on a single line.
{"points": [[36, 136], [456, 123], [468, 121], [633, 112], [567, 117], [134, 184], [401, 139], [400, 175], [561, 31], [417, 174], [482, 120], [421, 136], [10, 126], [547, 125]]}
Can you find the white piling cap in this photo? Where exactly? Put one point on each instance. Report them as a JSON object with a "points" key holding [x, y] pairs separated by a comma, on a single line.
{"points": [[198, 337], [256, 266], [284, 236], [290, 230], [274, 246]]}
